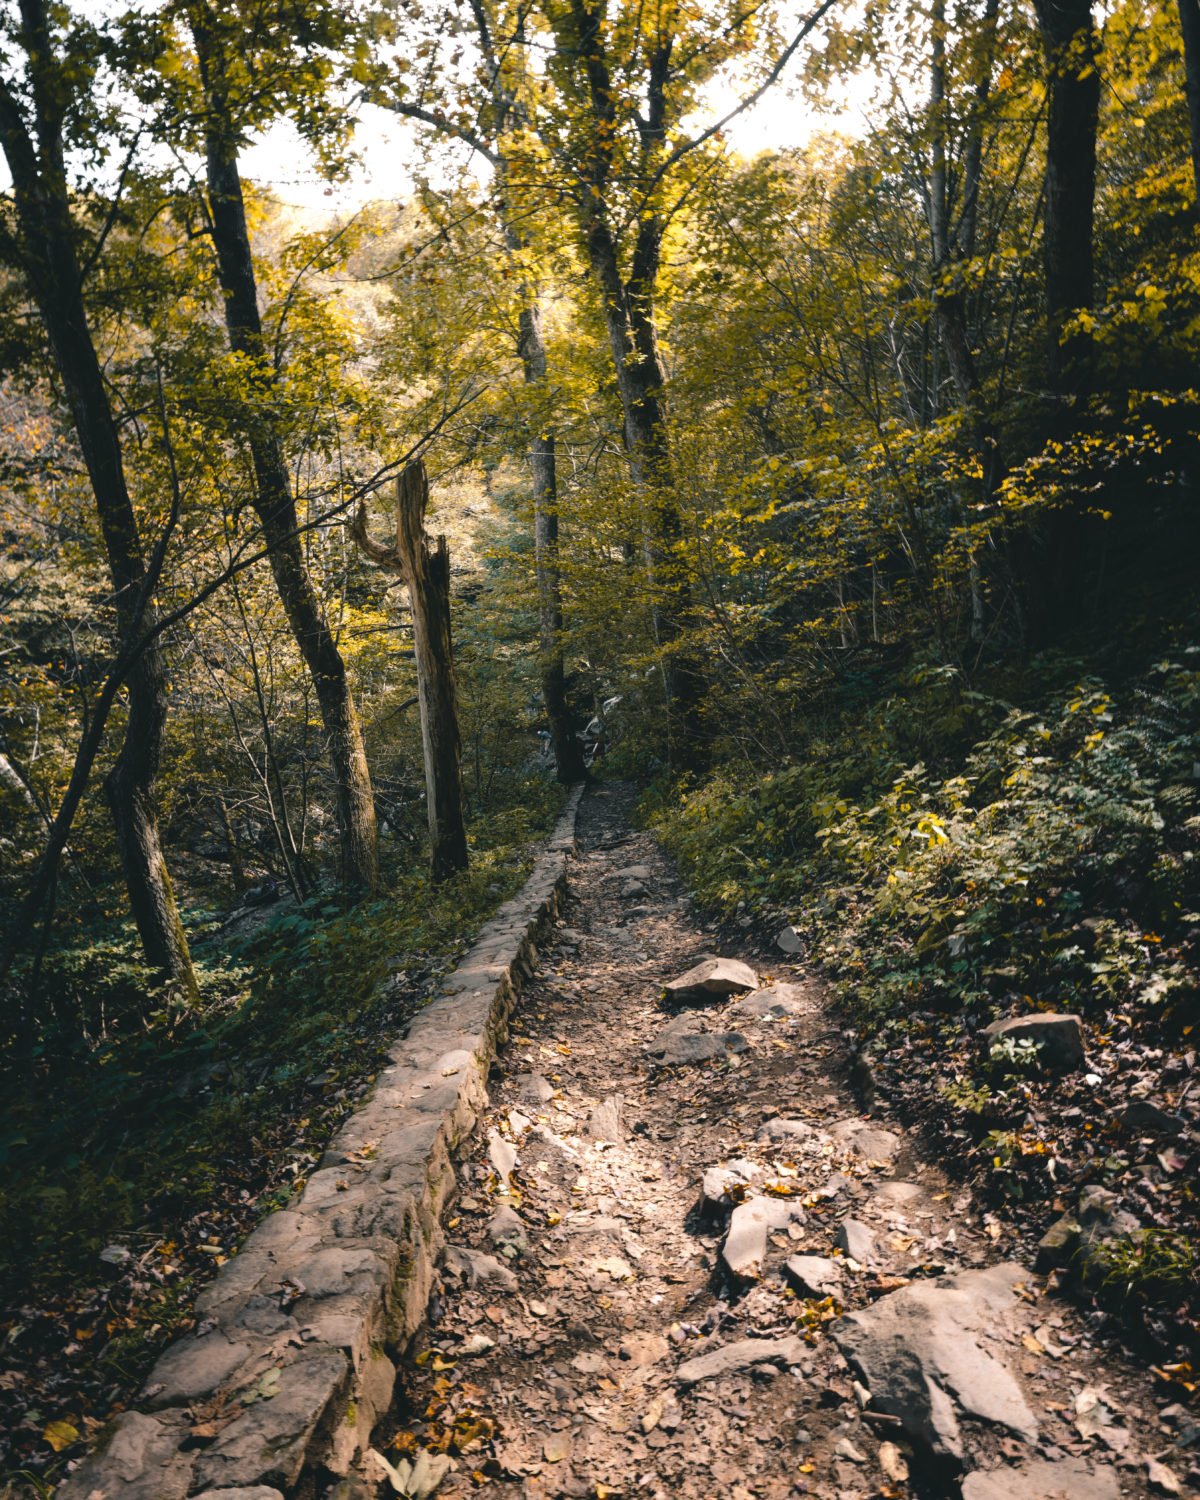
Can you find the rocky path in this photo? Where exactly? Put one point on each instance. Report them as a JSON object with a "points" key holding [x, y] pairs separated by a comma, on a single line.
{"points": [[684, 1264]]}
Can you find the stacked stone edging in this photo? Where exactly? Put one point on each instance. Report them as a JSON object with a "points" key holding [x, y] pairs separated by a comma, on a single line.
{"points": [[290, 1365]]}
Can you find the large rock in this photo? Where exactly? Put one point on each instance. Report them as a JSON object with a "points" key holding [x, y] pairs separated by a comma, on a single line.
{"points": [[140, 1461], [745, 1249], [790, 1131], [1065, 1479], [922, 1354], [712, 979], [1058, 1038], [742, 1355], [790, 940], [1080, 1240]]}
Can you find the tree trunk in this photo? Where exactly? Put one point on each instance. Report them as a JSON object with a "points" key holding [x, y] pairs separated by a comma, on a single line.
{"points": [[273, 500], [426, 574], [1189, 21], [1069, 37], [52, 268]]}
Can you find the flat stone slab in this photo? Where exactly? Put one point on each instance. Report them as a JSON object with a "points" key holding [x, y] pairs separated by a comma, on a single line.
{"points": [[871, 1142], [921, 1353], [751, 1223], [478, 1269], [744, 1354], [814, 1275], [1065, 1479], [856, 1240], [772, 1002], [712, 979]]}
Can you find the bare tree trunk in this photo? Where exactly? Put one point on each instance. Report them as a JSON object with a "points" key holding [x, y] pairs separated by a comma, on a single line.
{"points": [[51, 265], [426, 573], [273, 500], [1189, 21], [1069, 36]]}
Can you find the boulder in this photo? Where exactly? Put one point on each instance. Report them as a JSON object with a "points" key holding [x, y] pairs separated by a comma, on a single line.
{"points": [[712, 979], [790, 940], [1058, 1038], [921, 1352], [534, 1089], [745, 1249], [744, 1354], [604, 1123], [269, 1441], [689, 1049], [780, 1129]]}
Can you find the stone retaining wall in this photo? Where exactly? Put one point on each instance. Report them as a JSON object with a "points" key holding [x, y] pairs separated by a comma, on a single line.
{"points": [[289, 1367]]}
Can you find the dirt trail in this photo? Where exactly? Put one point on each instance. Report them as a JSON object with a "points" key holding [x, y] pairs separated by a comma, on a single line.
{"points": [[573, 1359]]}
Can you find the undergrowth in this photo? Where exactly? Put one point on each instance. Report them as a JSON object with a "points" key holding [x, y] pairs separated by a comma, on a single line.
{"points": [[952, 855]]}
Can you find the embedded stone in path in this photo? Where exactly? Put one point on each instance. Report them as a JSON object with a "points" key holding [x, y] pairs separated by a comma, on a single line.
{"points": [[1065, 1479], [604, 1123], [814, 1275], [639, 873], [682, 1044], [780, 1129], [773, 1000], [534, 1088], [502, 1155], [727, 1183], [508, 1233], [745, 1249], [856, 1241], [868, 1141], [478, 1269], [712, 979], [744, 1354], [921, 1353], [1058, 1038]]}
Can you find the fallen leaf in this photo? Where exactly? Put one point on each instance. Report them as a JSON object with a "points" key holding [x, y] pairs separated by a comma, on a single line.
{"points": [[1161, 1477], [60, 1435]]}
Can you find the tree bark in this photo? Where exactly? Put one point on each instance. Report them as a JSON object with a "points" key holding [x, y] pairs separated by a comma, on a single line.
{"points": [[426, 573], [1189, 21], [273, 499], [1071, 44], [52, 269]]}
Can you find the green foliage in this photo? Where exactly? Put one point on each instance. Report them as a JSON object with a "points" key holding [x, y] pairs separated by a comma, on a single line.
{"points": [[1050, 860]]}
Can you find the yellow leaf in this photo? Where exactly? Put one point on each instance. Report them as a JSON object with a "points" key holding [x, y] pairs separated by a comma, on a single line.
{"points": [[60, 1435]]}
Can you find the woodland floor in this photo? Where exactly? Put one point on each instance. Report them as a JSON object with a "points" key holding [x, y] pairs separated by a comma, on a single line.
{"points": [[565, 1380]]}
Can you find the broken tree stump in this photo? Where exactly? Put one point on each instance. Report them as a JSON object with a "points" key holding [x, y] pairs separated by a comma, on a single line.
{"points": [[426, 574]]}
